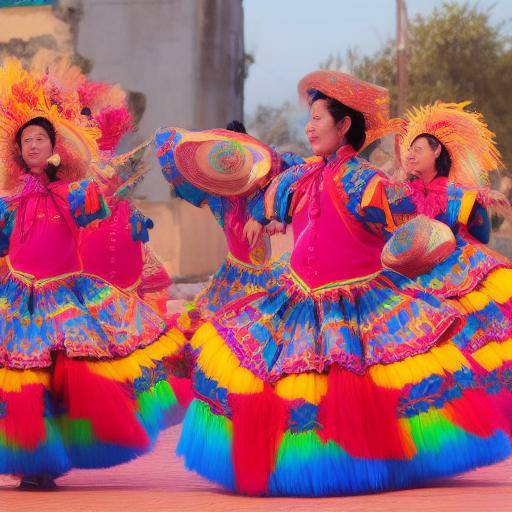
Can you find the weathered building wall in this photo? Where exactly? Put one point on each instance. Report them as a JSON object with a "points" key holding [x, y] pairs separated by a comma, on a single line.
{"points": [[182, 60]]}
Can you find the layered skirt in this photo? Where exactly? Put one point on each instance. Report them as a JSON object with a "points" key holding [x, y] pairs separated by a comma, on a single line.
{"points": [[350, 388], [233, 280], [89, 374]]}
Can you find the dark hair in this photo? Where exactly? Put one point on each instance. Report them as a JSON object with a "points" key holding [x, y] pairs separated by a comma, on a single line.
{"points": [[443, 161], [356, 134], [47, 126], [236, 126]]}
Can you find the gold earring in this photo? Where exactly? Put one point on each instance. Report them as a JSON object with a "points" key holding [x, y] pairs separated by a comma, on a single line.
{"points": [[54, 160]]}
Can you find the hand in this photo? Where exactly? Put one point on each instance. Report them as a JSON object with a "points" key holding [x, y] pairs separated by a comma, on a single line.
{"points": [[252, 231], [275, 227]]}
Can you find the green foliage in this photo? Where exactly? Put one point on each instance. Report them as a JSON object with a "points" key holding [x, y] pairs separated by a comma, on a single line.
{"points": [[454, 54]]}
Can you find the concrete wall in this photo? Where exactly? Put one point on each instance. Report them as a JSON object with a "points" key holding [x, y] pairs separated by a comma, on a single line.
{"points": [[183, 62], [186, 58]]}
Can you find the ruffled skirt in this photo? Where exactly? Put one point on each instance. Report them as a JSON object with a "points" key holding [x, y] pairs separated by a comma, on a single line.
{"points": [[353, 388], [233, 280], [89, 376]]}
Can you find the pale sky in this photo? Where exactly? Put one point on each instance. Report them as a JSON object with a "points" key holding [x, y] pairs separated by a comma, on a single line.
{"points": [[289, 38]]}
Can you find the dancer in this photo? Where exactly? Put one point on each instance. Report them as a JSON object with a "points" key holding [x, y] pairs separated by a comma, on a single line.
{"points": [[247, 267], [448, 152], [85, 367], [344, 378], [114, 248]]}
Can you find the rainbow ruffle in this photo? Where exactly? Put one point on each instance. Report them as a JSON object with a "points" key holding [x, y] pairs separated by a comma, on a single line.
{"points": [[233, 280], [82, 413], [318, 434]]}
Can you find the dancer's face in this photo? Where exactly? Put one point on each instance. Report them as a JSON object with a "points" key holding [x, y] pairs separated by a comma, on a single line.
{"points": [[36, 148], [421, 160], [323, 133]]}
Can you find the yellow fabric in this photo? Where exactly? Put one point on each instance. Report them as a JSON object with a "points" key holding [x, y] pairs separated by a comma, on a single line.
{"points": [[474, 301], [466, 206], [218, 362], [129, 368], [493, 355], [184, 321], [309, 386], [438, 361], [11, 381], [498, 285]]}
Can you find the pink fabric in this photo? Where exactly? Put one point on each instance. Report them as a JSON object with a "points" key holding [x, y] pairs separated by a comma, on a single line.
{"points": [[108, 249], [44, 238], [430, 199], [330, 245], [234, 221]]}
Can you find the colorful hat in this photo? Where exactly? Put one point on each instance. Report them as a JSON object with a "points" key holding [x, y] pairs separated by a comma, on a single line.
{"points": [[219, 162], [369, 99], [106, 104], [418, 246], [466, 136], [23, 97], [60, 92]]}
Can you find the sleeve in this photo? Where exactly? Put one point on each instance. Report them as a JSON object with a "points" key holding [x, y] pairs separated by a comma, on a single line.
{"points": [[277, 201], [86, 202], [380, 204], [479, 224], [182, 188], [465, 209], [140, 226], [6, 227], [256, 207], [290, 159]]}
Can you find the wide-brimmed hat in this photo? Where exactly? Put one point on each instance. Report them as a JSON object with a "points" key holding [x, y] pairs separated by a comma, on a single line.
{"points": [[219, 162], [369, 99], [418, 246]]}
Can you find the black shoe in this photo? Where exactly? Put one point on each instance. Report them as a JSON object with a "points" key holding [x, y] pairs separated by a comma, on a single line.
{"points": [[37, 483]]}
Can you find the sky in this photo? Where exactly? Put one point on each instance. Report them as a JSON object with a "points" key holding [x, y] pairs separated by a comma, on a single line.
{"points": [[290, 38]]}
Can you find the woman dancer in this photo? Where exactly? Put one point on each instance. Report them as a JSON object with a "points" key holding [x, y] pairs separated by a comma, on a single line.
{"points": [[344, 378], [85, 367]]}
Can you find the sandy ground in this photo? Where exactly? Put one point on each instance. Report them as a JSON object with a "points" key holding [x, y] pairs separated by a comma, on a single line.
{"points": [[158, 482]]}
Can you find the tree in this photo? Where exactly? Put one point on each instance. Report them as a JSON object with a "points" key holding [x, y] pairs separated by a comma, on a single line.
{"points": [[280, 127], [455, 54]]}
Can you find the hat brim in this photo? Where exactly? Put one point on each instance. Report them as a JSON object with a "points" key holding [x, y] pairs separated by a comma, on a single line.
{"points": [[219, 162]]}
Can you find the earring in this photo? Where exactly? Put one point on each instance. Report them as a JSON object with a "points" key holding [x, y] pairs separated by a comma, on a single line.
{"points": [[54, 160]]}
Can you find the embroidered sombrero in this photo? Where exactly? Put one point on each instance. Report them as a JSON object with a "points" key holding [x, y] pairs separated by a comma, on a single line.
{"points": [[219, 162]]}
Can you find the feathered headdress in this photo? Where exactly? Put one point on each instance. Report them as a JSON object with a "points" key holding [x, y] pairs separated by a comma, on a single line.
{"points": [[23, 96], [466, 136]]}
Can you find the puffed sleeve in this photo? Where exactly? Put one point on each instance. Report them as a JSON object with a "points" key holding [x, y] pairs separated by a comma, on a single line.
{"points": [[86, 202]]}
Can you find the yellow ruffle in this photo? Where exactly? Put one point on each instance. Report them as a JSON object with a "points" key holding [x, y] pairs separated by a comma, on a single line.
{"points": [[220, 364], [130, 367], [497, 286], [309, 386], [438, 361], [493, 355], [11, 381]]}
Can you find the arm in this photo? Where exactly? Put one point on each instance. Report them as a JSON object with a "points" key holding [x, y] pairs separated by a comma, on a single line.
{"points": [[373, 199]]}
